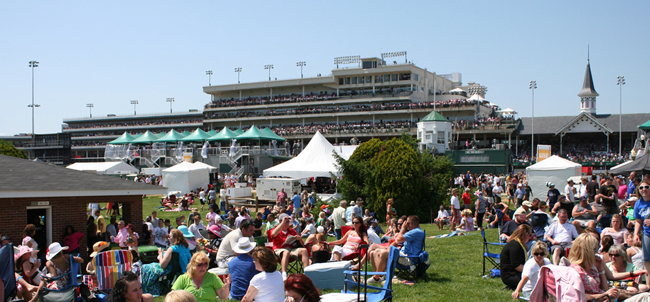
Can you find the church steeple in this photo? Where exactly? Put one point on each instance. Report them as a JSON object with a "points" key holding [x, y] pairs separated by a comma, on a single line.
{"points": [[588, 94]]}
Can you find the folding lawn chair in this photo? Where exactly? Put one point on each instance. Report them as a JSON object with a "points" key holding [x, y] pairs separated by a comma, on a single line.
{"points": [[66, 294], [419, 265], [110, 265], [7, 271], [493, 258]]}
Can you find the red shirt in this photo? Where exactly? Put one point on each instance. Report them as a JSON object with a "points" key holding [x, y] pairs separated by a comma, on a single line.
{"points": [[466, 198], [279, 240]]}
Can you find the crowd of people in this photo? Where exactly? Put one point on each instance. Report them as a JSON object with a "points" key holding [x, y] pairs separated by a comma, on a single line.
{"points": [[598, 230], [135, 123], [482, 123], [579, 155], [277, 99]]}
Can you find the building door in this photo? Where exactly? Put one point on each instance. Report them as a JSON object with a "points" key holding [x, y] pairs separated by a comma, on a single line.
{"points": [[41, 217]]}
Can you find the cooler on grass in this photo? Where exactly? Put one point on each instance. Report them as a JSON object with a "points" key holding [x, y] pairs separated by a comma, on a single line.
{"points": [[328, 274]]}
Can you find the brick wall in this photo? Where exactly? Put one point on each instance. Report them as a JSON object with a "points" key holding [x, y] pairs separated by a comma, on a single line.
{"points": [[65, 211]]}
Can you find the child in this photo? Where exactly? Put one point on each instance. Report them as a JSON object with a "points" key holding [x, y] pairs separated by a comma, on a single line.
{"points": [[467, 222]]}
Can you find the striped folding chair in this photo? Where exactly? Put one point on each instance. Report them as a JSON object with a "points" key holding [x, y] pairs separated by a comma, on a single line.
{"points": [[110, 266]]}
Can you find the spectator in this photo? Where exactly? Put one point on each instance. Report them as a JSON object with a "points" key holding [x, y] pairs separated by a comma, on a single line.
{"points": [[583, 215], [411, 235], [283, 245], [441, 220], [179, 296], [226, 252], [513, 257], [205, 286], [267, 285], [242, 268], [299, 287], [530, 272], [72, 240], [128, 289], [560, 234], [338, 216]]}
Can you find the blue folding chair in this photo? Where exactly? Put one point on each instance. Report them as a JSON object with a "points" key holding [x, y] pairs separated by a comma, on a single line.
{"points": [[7, 271], [419, 265], [66, 294], [492, 258]]}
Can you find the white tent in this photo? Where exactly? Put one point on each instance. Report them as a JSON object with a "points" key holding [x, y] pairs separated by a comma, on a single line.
{"points": [[457, 90], [346, 151], [185, 177], [109, 168], [316, 160], [554, 169], [204, 165], [477, 97]]}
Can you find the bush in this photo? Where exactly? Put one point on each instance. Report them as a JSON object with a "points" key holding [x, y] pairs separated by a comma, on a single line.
{"points": [[7, 148]]}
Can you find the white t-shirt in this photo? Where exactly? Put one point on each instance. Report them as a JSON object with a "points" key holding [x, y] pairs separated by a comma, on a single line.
{"points": [[270, 287], [568, 192], [373, 237], [455, 203], [225, 249], [443, 214], [160, 235], [311, 228], [531, 269], [194, 229], [583, 191], [562, 232], [497, 190]]}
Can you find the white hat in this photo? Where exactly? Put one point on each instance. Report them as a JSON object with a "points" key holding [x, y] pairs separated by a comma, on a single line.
{"points": [[53, 250], [244, 245], [320, 229]]}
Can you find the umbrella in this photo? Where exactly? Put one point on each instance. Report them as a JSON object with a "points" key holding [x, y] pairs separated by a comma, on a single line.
{"points": [[171, 137], [123, 139], [145, 138]]}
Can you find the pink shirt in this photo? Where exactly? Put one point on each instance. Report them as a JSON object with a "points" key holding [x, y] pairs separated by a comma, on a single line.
{"points": [[121, 237], [622, 191], [72, 240]]}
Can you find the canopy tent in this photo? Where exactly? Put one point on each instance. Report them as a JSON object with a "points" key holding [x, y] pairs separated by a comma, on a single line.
{"points": [[238, 131], [457, 90], [185, 177], [476, 97], [212, 132], [316, 160], [204, 165], [507, 111], [145, 138], [645, 126], [185, 133], [124, 139], [270, 133], [254, 134], [171, 137], [554, 169], [346, 151], [639, 165], [223, 136], [109, 168], [197, 135]]}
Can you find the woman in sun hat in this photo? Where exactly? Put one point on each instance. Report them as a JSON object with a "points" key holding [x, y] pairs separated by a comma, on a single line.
{"points": [[57, 265], [98, 247], [27, 271], [189, 237]]}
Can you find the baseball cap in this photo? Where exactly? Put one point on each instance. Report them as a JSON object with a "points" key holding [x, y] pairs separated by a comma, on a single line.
{"points": [[520, 211]]}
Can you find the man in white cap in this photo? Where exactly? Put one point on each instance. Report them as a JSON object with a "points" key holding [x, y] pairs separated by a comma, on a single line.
{"points": [[512, 225], [525, 206], [226, 252], [242, 269]]}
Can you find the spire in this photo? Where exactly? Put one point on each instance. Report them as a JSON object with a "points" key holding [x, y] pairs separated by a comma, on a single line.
{"points": [[588, 84]]}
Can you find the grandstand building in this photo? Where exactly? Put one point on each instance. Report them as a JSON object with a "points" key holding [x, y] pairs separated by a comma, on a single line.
{"points": [[371, 100], [89, 135]]}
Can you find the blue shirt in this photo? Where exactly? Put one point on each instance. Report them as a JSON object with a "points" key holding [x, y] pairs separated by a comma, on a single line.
{"points": [[242, 269], [641, 212], [520, 193], [630, 188], [414, 240], [296, 201]]}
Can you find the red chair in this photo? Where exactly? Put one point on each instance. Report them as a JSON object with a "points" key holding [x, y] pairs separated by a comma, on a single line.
{"points": [[294, 266]]}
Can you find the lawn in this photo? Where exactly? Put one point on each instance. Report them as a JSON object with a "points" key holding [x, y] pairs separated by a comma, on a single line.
{"points": [[454, 275]]}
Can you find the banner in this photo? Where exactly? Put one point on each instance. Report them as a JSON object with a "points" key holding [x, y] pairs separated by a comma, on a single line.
{"points": [[543, 152]]}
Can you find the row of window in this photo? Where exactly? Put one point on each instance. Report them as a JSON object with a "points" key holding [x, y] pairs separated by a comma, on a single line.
{"points": [[381, 78]]}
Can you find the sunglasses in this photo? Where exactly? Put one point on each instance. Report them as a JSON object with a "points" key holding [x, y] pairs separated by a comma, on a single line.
{"points": [[539, 254], [614, 255], [204, 264], [356, 222], [644, 187]]}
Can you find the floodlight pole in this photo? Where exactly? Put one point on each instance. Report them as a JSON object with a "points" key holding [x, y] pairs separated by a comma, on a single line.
{"points": [[209, 74], [269, 67], [301, 64], [238, 71], [620, 82], [134, 103], [33, 64], [170, 101], [532, 87], [90, 108]]}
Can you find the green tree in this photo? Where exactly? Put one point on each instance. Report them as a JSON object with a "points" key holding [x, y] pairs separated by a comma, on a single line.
{"points": [[7, 148]]}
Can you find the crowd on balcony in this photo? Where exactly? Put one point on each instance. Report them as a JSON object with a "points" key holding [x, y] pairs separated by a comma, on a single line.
{"points": [[277, 99], [134, 123], [88, 143], [348, 127], [581, 152], [482, 123]]}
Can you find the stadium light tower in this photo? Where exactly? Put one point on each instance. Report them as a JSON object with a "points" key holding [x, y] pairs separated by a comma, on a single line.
{"points": [[269, 67], [170, 101], [532, 87], [238, 71], [134, 103], [620, 82], [209, 74], [301, 64], [90, 108], [33, 64]]}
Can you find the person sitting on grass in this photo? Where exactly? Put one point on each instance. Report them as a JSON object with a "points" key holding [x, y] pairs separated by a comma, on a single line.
{"points": [[530, 272], [513, 256], [619, 264], [467, 222], [561, 235], [299, 287], [512, 225], [412, 238], [267, 285], [241, 268], [583, 215], [128, 289], [57, 265]]}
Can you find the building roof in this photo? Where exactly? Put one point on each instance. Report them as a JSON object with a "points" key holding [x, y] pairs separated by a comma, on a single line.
{"points": [[588, 84], [434, 116], [24, 178], [553, 124]]}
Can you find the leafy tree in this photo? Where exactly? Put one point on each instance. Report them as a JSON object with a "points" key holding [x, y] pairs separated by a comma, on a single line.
{"points": [[7, 148]]}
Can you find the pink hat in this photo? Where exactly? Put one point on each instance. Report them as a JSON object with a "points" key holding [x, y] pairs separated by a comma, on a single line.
{"points": [[22, 250], [215, 229]]}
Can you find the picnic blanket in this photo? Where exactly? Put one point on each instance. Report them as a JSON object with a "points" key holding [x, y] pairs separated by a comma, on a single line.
{"points": [[452, 234]]}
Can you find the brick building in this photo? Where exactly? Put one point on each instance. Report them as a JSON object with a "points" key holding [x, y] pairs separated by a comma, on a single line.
{"points": [[55, 197]]}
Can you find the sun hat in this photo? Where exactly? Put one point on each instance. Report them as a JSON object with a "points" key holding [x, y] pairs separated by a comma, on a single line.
{"points": [[243, 246], [98, 247], [520, 211], [320, 229], [527, 203], [186, 232], [215, 229], [22, 250], [53, 250]]}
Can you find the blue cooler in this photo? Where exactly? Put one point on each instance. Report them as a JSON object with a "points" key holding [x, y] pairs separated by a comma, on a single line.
{"points": [[328, 274]]}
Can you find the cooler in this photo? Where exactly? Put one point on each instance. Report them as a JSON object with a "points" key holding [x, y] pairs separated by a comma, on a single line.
{"points": [[328, 274]]}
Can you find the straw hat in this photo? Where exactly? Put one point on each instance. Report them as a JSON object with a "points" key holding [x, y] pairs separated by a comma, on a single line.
{"points": [[244, 245], [53, 250], [98, 247]]}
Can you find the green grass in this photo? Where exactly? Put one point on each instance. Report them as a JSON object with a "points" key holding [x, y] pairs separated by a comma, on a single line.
{"points": [[454, 275]]}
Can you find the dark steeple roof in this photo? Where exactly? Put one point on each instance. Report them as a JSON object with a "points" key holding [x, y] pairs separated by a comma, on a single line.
{"points": [[588, 84]]}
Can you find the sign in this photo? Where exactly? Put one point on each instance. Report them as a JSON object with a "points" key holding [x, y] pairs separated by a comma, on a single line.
{"points": [[40, 203], [187, 157], [543, 152]]}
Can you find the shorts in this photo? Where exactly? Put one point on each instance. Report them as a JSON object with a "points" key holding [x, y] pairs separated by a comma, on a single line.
{"points": [[583, 222], [224, 262], [293, 253], [562, 246], [202, 201], [341, 250]]}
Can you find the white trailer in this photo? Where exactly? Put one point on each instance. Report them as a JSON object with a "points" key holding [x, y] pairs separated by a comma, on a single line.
{"points": [[268, 188]]}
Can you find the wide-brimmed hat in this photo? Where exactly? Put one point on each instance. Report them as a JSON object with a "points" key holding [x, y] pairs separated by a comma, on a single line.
{"points": [[527, 203], [215, 229], [53, 250], [186, 232], [243, 246], [22, 250], [98, 247]]}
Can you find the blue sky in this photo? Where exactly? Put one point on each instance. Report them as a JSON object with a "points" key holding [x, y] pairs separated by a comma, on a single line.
{"points": [[110, 52]]}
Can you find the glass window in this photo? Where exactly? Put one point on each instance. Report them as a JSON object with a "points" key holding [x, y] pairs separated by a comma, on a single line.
{"points": [[379, 79], [441, 137], [341, 81], [347, 80], [354, 80], [404, 76], [416, 76], [361, 79], [387, 78], [394, 77], [368, 79]]}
